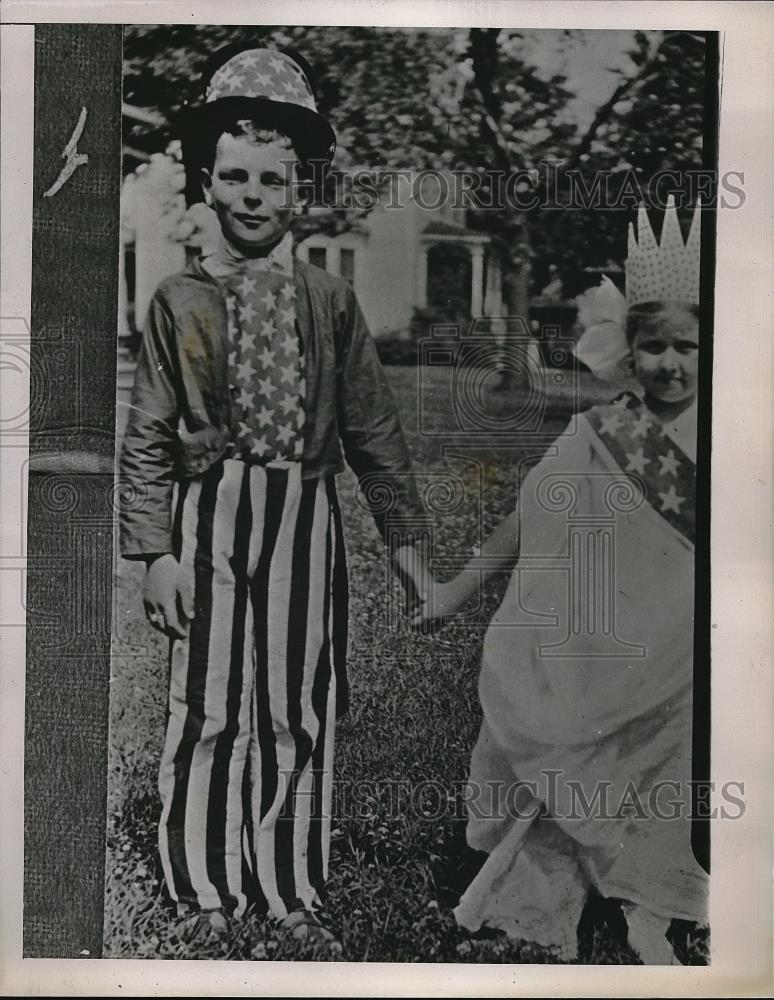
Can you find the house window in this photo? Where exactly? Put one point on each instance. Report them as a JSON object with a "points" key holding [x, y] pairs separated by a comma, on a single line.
{"points": [[317, 256], [347, 264]]}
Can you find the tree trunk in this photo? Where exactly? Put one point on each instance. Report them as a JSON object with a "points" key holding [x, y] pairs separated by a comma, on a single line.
{"points": [[515, 363], [512, 365]]}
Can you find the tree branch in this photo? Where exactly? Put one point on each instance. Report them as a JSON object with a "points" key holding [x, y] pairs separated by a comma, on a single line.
{"points": [[603, 115], [622, 90], [485, 57]]}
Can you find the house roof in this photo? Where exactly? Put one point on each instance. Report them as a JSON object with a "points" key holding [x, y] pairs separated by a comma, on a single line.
{"points": [[458, 232]]}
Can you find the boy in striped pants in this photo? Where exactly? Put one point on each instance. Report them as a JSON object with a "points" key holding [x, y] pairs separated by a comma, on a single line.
{"points": [[255, 373]]}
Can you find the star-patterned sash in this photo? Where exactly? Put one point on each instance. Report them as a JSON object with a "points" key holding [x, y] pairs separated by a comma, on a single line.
{"points": [[638, 442], [264, 360]]}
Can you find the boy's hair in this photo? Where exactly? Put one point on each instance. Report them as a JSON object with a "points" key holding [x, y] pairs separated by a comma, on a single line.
{"points": [[199, 150], [646, 316], [254, 131]]}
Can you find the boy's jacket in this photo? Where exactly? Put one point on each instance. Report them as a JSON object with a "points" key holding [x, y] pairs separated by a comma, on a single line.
{"points": [[179, 421]]}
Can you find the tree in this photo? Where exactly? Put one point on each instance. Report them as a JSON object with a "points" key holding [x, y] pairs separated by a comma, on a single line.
{"points": [[374, 83], [514, 107], [653, 122], [473, 99]]}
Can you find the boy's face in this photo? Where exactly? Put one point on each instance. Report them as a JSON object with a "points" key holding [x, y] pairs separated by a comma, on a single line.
{"points": [[251, 187], [666, 355]]}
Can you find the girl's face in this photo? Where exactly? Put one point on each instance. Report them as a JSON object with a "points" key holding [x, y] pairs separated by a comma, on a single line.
{"points": [[666, 354]]}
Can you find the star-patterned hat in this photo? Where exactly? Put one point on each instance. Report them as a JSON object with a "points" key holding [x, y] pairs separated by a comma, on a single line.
{"points": [[266, 85], [666, 271]]}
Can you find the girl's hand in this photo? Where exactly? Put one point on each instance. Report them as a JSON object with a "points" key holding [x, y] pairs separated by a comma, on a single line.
{"points": [[441, 600], [412, 571], [168, 597]]}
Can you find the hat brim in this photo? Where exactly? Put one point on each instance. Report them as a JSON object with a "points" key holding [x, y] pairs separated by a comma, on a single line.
{"points": [[312, 135]]}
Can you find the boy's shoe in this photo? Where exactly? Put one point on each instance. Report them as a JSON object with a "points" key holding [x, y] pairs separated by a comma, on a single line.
{"points": [[204, 925], [303, 925]]}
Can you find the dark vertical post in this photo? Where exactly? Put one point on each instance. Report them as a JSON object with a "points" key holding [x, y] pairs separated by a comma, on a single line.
{"points": [[75, 248]]}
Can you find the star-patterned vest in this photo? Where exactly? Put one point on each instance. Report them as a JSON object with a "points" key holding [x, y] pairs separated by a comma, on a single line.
{"points": [[265, 364]]}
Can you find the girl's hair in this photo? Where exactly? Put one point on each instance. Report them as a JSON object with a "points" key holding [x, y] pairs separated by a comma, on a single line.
{"points": [[646, 316]]}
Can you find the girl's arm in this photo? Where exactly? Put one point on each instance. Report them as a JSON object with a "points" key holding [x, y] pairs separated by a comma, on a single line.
{"points": [[498, 553]]}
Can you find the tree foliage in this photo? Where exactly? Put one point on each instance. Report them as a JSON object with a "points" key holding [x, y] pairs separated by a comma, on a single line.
{"points": [[473, 99], [655, 125]]}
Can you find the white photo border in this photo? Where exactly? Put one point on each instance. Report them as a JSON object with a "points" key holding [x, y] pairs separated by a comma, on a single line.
{"points": [[741, 521]]}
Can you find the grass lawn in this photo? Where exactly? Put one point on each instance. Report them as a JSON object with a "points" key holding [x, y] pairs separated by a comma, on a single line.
{"points": [[398, 859]]}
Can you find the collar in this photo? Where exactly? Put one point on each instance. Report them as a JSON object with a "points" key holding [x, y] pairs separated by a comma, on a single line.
{"points": [[682, 430], [227, 260]]}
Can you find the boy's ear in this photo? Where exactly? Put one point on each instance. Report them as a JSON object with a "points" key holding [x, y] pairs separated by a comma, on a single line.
{"points": [[206, 181], [302, 193], [301, 200]]}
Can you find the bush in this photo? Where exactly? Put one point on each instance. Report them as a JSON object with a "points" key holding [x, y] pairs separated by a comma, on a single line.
{"points": [[423, 320], [398, 349]]}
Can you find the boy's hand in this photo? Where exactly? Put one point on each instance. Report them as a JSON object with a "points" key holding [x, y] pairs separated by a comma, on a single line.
{"points": [[442, 600], [413, 574], [167, 597]]}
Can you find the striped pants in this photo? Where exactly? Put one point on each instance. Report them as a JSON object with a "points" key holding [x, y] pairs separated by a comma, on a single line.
{"points": [[246, 771]]}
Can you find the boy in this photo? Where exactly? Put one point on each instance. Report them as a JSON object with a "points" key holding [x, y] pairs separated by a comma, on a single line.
{"points": [[255, 370]]}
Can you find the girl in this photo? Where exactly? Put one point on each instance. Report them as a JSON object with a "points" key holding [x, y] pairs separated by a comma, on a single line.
{"points": [[580, 776]]}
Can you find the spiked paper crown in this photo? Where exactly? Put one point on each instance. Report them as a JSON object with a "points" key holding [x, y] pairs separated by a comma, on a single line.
{"points": [[668, 271]]}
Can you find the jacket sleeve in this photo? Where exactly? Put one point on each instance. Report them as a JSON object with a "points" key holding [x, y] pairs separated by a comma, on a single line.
{"points": [[146, 468], [370, 429]]}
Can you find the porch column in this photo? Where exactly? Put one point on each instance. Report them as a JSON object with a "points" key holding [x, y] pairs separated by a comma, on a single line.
{"points": [[333, 259], [127, 238], [477, 281], [158, 207], [493, 299], [421, 290]]}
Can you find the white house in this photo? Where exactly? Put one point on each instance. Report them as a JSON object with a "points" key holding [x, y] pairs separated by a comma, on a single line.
{"points": [[390, 258]]}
